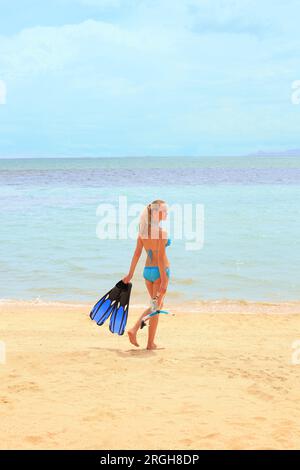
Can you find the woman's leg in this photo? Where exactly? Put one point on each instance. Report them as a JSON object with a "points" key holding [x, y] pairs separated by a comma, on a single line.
{"points": [[153, 322], [133, 331]]}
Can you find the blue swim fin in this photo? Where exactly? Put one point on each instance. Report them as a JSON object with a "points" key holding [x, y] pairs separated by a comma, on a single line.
{"points": [[111, 304], [119, 314]]}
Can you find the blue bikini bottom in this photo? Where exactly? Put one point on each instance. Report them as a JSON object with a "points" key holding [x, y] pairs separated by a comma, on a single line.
{"points": [[151, 273]]}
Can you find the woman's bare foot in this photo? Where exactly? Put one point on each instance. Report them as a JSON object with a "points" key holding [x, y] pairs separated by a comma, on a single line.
{"points": [[132, 337], [152, 346]]}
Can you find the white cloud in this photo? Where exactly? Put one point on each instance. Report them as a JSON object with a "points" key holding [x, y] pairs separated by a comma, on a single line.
{"points": [[2, 92], [43, 49], [161, 72], [101, 3], [98, 3], [184, 36]]}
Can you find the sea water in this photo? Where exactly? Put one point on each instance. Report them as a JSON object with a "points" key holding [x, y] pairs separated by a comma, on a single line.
{"points": [[50, 249]]}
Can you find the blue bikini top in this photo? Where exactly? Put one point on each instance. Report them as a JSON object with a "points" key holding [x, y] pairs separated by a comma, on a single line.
{"points": [[150, 252]]}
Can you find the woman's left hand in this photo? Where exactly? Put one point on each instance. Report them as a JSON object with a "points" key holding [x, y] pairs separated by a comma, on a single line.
{"points": [[127, 279]]}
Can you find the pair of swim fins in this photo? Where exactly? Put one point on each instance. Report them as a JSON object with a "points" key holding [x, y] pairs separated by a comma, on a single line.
{"points": [[114, 304]]}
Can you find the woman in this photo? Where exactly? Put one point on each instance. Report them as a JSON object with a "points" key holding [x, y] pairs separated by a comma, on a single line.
{"points": [[156, 272]]}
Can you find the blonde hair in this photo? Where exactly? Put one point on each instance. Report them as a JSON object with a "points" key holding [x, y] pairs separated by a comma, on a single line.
{"points": [[146, 218]]}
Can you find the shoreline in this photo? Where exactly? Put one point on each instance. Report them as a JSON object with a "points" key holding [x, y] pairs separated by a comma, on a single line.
{"points": [[201, 306]]}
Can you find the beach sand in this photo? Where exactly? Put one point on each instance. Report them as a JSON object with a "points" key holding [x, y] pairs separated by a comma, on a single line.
{"points": [[225, 379]]}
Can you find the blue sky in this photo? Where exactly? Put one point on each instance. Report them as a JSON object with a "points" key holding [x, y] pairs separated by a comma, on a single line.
{"points": [[148, 77]]}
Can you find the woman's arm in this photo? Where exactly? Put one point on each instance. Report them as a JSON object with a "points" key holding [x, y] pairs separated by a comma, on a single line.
{"points": [[135, 258]]}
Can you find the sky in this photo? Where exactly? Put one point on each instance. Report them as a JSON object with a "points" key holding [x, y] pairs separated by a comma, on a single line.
{"points": [[148, 77]]}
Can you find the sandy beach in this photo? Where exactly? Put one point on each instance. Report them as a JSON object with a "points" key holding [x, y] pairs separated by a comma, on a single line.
{"points": [[225, 379]]}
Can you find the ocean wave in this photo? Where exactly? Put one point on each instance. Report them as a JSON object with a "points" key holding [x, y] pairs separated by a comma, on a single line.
{"points": [[188, 304], [42, 302]]}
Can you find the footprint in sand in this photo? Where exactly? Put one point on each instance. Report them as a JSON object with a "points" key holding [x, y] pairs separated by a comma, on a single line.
{"points": [[4, 400], [259, 418], [255, 391], [187, 442], [24, 386], [213, 435], [33, 439], [13, 376]]}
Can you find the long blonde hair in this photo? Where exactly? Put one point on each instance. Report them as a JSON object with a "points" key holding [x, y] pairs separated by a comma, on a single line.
{"points": [[146, 220]]}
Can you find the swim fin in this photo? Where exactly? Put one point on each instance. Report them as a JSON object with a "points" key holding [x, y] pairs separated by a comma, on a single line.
{"points": [[112, 303], [119, 314]]}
